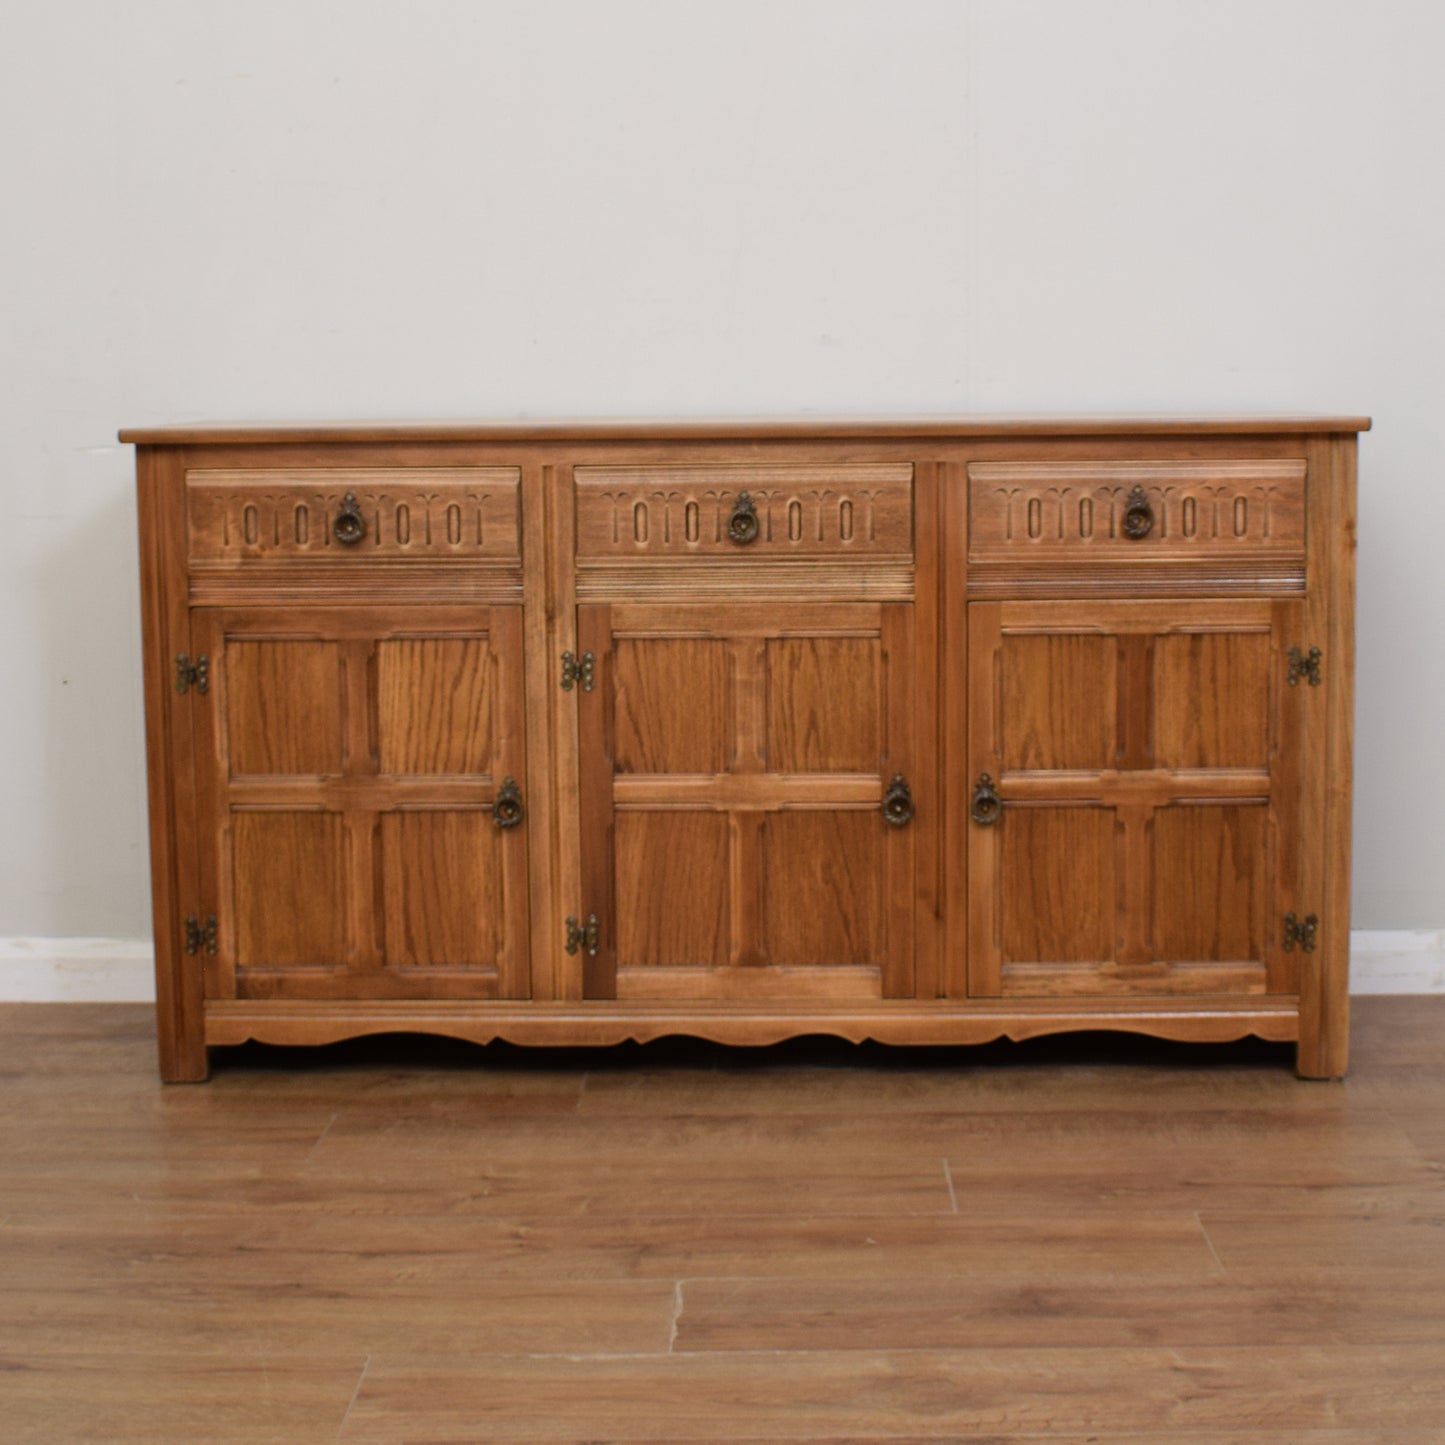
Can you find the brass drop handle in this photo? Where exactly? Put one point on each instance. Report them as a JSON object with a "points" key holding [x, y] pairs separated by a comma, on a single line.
{"points": [[1138, 515], [350, 526], [987, 805], [507, 811], [897, 808], [743, 524]]}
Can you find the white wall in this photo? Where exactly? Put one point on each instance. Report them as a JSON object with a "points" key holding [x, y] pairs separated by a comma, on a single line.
{"points": [[291, 208]]}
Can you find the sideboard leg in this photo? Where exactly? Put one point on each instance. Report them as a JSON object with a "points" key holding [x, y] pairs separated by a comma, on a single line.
{"points": [[1324, 1039], [184, 1060]]}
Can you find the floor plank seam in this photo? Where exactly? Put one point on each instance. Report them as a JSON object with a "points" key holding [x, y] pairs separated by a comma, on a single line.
{"points": [[321, 1137], [355, 1395], [676, 1317], [1181, 1357], [1214, 1253]]}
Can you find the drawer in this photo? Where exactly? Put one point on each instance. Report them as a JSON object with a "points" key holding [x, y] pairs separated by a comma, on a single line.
{"points": [[1124, 513], [740, 514], [350, 517]]}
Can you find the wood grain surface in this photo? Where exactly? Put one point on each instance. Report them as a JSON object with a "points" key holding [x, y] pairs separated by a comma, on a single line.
{"points": [[418, 1241]]}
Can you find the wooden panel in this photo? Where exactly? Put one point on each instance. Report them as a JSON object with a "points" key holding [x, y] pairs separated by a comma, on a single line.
{"points": [[825, 705], [1057, 885], [551, 780], [966, 736], [367, 864], [176, 848], [756, 791], [1210, 873], [764, 735], [1212, 696], [672, 705], [1126, 982], [283, 705], [290, 889], [815, 983], [1059, 696], [434, 705], [1027, 512], [241, 517], [921, 648], [823, 876], [672, 888], [590, 733], [1329, 733], [1202, 789], [442, 877], [738, 619], [667, 512]]}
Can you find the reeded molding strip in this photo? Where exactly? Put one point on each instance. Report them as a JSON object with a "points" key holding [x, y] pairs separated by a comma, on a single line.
{"points": [[403, 584], [779, 580], [1148, 578]]}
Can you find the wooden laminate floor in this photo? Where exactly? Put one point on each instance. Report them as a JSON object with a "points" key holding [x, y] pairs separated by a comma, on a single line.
{"points": [[1086, 1240]]}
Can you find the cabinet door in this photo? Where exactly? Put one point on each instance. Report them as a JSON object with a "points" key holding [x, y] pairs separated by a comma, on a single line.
{"points": [[735, 760], [1146, 756], [348, 765]]}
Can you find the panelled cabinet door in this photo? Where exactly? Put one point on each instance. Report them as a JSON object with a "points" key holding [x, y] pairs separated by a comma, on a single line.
{"points": [[736, 762], [1135, 782], [349, 764]]}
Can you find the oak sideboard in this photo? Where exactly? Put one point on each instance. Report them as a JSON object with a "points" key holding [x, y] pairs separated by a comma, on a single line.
{"points": [[926, 731]]}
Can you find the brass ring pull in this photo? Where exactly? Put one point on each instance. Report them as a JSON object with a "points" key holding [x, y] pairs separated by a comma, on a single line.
{"points": [[350, 526], [507, 811], [897, 807], [1138, 515], [743, 524], [987, 805]]}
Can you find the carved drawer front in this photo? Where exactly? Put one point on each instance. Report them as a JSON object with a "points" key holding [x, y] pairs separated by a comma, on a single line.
{"points": [[348, 517], [1122, 513], [739, 514]]}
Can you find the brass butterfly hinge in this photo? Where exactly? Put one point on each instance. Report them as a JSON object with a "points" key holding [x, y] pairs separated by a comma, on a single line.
{"points": [[577, 670], [195, 674], [587, 935], [1300, 932], [1305, 665], [200, 935]]}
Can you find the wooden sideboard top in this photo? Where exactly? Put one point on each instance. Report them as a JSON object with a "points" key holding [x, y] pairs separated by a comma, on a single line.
{"points": [[732, 428]]}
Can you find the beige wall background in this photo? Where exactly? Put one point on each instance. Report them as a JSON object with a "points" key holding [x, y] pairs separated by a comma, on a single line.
{"points": [[352, 209]]}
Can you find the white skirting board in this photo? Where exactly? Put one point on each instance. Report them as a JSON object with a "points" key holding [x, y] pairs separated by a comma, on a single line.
{"points": [[120, 970], [77, 970], [1397, 960]]}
